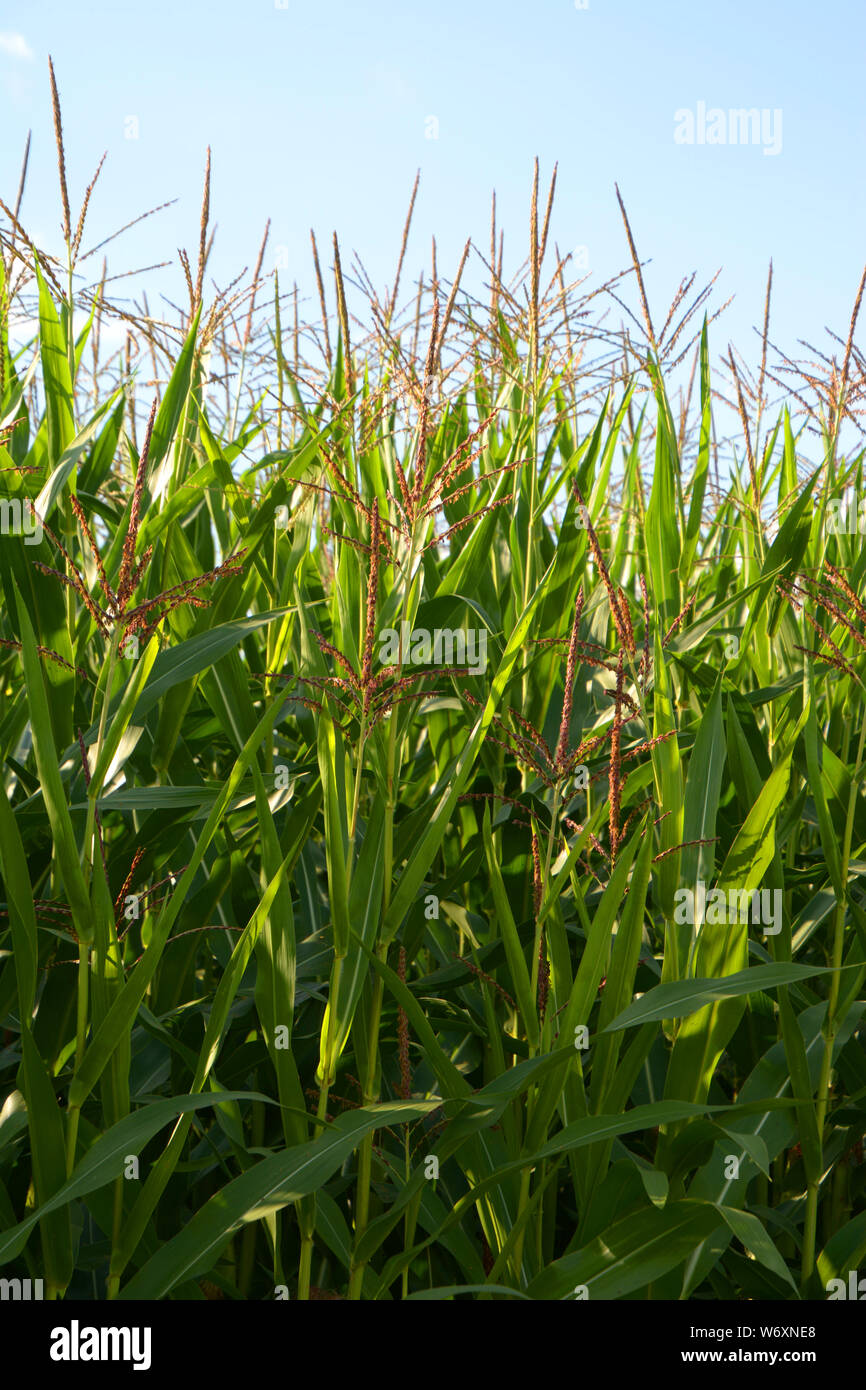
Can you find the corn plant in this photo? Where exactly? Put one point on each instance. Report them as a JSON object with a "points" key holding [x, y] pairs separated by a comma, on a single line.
{"points": [[432, 833]]}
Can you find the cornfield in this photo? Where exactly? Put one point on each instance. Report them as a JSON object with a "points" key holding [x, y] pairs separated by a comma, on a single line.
{"points": [[432, 849]]}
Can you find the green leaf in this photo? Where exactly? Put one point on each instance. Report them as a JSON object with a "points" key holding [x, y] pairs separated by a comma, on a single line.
{"points": [[750, 1232], [47, 1149], [517, 967], [22, 917], [269, 1186], [49, 776], [630, 1254], [104, 1160], [683, 997], [55, 373]]}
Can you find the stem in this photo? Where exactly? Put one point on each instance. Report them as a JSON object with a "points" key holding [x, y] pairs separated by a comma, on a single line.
{"points": [[117, 1221], [526, 1176], [365, 1152], [810, 1230], [74, 1112], [411, 1218], [334, 996], [515, 1235], [522, 1216], [322, 1108], [89, 852], [70, 331], [369, 1096], [304, 1268], [529, 571], [357, 795], [545, 880]]}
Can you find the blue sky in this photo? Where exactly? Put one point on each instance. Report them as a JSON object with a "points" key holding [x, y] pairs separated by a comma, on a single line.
{"points": [[319, 115]]}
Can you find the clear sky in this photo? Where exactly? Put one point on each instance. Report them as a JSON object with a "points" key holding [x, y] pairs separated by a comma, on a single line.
{"points": [[319, 115]]}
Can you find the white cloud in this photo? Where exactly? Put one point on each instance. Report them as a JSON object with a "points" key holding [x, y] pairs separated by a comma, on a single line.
{"points": [[15, 46]]}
